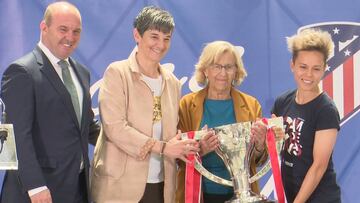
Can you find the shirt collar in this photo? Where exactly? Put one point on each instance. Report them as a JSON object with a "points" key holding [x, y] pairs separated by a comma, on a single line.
{"points": [[134, 66], [53, 59]]}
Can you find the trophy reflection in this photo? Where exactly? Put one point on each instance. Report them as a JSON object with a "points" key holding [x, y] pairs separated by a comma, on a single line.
{"points": [[236, 150]]}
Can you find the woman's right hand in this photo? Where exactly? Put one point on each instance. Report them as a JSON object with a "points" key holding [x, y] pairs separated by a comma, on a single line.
{"points": [[178, 149], [209, 142]]}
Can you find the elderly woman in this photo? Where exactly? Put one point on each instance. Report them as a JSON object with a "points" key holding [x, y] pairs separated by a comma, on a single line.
{"points": [[135, 154], [312, 123], [219, 69]]}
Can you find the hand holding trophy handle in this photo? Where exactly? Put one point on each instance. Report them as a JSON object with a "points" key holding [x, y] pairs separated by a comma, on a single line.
{"points": [[276, 122]]}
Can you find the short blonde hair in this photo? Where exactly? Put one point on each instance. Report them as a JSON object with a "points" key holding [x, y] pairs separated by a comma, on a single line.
{"points": [[311, 40], [211, 52]]}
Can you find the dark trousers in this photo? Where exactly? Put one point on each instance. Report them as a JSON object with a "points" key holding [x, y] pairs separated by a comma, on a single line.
{"points": [[82, 196], [17, 195], [154, 193]]}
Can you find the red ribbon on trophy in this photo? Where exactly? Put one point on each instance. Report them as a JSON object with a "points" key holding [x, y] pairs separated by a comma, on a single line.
{"points": [[192, 177], [270, 138]]}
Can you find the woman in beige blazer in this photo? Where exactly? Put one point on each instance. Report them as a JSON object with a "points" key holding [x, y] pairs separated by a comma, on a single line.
{"points": [[134, 158]]}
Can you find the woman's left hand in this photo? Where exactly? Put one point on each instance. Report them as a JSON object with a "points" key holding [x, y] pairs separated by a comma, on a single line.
{"points": [[279, 132]]}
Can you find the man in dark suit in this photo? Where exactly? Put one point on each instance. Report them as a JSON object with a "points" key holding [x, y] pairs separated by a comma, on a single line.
{"points": [[47, 99]]}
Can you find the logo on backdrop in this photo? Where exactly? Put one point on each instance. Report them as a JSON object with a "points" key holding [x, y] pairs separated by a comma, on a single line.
{"points": [[342, 78]]}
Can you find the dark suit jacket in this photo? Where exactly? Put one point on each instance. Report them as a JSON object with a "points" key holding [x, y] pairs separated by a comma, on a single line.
{"points": [[49, 140]]}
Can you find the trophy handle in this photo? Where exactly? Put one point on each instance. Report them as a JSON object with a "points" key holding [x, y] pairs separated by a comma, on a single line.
{"points": [[267, 166], [278, 122], [200, 168], [217, 179], [210, 176]]}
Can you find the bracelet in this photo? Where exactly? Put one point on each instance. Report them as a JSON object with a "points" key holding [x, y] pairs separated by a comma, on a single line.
{"points": [[163, 144]]}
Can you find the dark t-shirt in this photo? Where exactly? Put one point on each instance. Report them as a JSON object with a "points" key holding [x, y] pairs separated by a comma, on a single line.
{"points": [[300, 123]]}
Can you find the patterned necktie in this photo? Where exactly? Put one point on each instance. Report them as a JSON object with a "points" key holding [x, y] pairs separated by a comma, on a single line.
{"points": [[70, 86]]}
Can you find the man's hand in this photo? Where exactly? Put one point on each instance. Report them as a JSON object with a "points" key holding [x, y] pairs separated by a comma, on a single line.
{"points": [[41, 197]]}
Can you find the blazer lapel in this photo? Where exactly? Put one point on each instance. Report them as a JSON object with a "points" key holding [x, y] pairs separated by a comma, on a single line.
{"points": [[242, 114], [48, 70], [198, 106]]}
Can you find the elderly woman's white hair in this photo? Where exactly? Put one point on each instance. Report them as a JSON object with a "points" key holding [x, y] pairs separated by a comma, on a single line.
{"points": [[211, 52]]}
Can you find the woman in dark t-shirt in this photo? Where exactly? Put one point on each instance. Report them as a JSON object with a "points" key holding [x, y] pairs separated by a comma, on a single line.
{"points": [[311, 122]]}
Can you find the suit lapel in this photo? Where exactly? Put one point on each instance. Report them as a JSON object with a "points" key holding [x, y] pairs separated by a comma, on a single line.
{"points": [[48, 70]]}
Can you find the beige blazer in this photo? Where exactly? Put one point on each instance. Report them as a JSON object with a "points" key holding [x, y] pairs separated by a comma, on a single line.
{"points": [[120, 170]]}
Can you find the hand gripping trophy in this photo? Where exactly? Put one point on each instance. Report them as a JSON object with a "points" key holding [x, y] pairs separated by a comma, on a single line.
{"points": [[235, 150]]}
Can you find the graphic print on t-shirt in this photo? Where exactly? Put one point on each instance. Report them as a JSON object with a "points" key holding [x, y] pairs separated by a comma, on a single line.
{"points": [[293, 130], [157, 115]]}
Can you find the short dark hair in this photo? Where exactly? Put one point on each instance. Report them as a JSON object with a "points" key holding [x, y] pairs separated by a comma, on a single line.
{"points": [[152, 17]]}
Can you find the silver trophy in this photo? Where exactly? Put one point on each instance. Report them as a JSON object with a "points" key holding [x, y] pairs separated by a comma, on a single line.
{"points": [[236, 150], [8, 157]]}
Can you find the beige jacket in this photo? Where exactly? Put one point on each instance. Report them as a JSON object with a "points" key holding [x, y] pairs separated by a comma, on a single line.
{"points": [[121, 161]]}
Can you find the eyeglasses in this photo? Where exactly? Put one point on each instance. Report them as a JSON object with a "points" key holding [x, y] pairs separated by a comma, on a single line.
{"points": [[229, 68]]}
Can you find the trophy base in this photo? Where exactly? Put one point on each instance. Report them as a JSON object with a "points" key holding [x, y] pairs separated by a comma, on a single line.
{"points": [[250, 201], [249, 197]]}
